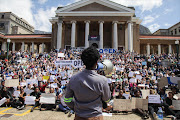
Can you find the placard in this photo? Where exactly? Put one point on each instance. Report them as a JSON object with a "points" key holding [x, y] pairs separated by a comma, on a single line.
{"points": [[28, 92], [47, 98], [30, 100], [154, 99], [139, 103], [176, 104], [122, 105], [45, 77], [133, 80], [16, 93], [32, 81], [74, 63], [63, 82], [145, 93], [141, 85], [70, 73], [126, 95], [139, 77], [54, 85], [2, 101], [12, 83], [61, 55], [162, 82], [131, 74]]}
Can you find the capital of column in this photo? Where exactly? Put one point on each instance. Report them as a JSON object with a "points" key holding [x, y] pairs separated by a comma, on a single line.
{"points": [[114, 22], [87, 21], [60, 22], [73, 21], [100, 21]]}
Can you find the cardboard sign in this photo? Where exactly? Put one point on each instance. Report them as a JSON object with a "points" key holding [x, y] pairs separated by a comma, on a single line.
{"points": [[162, 82], [61, 55], [122, 105], [2, 101], [32, 81], [16, 93], [12, 83], [145, 93], [30, 100], [176, 104], [139, 103], [154, 99], [139, 77], [48, 98]]}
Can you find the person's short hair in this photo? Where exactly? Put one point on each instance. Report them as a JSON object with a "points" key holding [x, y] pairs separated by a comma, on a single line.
{"points": [[90, 57]]}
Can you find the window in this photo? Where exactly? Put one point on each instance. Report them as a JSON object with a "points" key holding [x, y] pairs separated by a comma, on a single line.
{"points": [[179, 29], [171, 32], [2, 26], [175, 31], [2, 16]]}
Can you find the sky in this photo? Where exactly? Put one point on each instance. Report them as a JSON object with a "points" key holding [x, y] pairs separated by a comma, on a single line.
{"points": [[156, 14]]}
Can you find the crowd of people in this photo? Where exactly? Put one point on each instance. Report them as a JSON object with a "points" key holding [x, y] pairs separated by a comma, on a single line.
{"points": [[122, 79]]}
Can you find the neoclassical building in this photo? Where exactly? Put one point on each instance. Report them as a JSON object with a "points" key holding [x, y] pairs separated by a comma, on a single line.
{"points": [[101, 23]]}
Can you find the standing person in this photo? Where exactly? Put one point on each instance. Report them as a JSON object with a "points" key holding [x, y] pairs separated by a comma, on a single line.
{"points": [[87, 89]]}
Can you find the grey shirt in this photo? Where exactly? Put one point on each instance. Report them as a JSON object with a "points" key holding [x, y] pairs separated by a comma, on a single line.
{"points": [[85, 93]]}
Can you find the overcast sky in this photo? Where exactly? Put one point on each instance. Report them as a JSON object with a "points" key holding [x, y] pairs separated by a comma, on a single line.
{"points": [[156, 14]]}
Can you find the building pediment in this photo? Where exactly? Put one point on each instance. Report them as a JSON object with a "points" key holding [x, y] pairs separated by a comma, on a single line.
{"points": [[95, 5]]}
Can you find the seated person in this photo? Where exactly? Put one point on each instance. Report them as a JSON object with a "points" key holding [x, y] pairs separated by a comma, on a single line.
{"points": [[120, 96], [37, 94], [20, 102], [168, 106], [48, 106]]}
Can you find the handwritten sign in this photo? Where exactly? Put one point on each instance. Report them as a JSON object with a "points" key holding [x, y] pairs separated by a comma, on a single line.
{"points": [[122, 105], [139, 103], [162, 82], [176, 104], [30, 100], [154, 99], [12, 83], [48, 98]]}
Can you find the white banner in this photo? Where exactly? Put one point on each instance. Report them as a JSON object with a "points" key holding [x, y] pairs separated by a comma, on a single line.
{"points": [[73, 63], [30, 100], [48, 98], [154, 99]]}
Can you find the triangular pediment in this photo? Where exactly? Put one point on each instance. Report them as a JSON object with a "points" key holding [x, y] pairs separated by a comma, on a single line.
{"points": [[95, 5]]}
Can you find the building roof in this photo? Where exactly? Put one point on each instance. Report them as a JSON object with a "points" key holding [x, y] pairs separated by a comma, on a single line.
{"points": [[168, 37], [174, 25], [26, 36]]}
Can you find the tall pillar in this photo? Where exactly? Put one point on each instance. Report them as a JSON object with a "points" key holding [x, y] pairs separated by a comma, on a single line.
{"points": [[159, 49], [148, 49], [13, 46], [59, 35], [22, 47], [126, 37], [115, 35], [4, 46], [73, 33], [87, 34], [130, 37], [170, 48], [32, 47], [101, 34], [42, 47]]}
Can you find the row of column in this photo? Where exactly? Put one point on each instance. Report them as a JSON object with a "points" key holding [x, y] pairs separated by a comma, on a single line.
{"points": [[101, 25], [4, 46], [159, 49]]}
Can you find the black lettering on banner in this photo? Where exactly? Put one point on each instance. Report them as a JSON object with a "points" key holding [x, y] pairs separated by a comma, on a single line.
{"points": [[75, 63]]}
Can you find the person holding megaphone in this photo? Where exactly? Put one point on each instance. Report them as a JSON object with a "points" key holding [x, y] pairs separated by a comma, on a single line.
{"points": [[87, 90]]}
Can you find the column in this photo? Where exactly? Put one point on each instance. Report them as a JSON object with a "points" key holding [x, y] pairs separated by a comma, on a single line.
{"points": [[101, 34], [115, 35], [59, 35], [73, 33], [4, 46], [13, 46], [126, 37], [42, 47], [148, 49], [130, 37], [170, 48], [32, 47], [86, 34], [22, 47], [159, 49]]}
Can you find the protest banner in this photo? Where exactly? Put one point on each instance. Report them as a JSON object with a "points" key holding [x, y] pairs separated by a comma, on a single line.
{"points": [[139, 103], [32, 81], [122, 105], [145, 93], [60, 55], [47, 98], [131, 74], [176, 104], [12, 83], [2, 101], [16, 93], [154, 99], [23, 84], [126, 95], [139, 77], [107, 51], [30, 100], [162, 82], [74, 63]]}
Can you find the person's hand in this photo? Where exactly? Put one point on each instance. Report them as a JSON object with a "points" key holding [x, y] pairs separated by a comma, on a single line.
{"points": [[36, 100], [172, 107]]}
